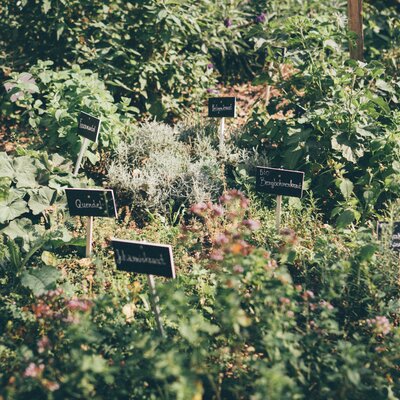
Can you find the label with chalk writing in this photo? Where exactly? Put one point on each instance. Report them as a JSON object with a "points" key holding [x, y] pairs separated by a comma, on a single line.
{"points": [[382, 230], [91, 202], [395, 243], [220, 107], [144, 258], [88, 126], [280, 181]]}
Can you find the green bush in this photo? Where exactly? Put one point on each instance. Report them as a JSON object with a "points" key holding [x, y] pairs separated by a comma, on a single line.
{"points": [[52, 101], [340, 124], [32, 207], [162, 169], [306, 319]]}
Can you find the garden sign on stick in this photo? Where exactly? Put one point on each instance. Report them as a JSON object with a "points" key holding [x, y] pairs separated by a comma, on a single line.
{"points": [[91, 203], [282, 182], [89, 128], [395, 242], [389, 234], [222, 107], [146, 258]]}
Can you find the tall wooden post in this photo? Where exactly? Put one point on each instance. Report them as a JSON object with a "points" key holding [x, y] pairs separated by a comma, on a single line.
{"points": [[354, 10]]}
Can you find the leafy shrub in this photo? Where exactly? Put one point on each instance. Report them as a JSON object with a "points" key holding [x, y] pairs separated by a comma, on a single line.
{"points": [[53, 99], [382, 33], [340, 122], [151, 51], [32, 200], [239, 323], [160, 172]]}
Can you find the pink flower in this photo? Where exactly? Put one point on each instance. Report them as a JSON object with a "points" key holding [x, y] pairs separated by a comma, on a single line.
{"points": [[217, 255], [284, 300], [33, 370], [251, 224], [216, 210], [198, 208], [228, 22], [290, 314], [325, 304], [380, 325], [221, 239], [238, 269], [78, 305], [225, 198], [308, 294], [51, 386], [43, 344]]}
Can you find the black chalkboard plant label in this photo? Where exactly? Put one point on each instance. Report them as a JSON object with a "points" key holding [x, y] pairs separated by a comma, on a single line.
{"points": [[91, 202], [144, 258], [279, 181], [88, 126], [395, 243], [382, 229], [222, 107]]}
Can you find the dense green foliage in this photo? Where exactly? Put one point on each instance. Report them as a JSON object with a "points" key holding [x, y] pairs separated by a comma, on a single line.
{"points": [[341, 124], [308, 311], [308, 318], [158, 53], [51, 101]]}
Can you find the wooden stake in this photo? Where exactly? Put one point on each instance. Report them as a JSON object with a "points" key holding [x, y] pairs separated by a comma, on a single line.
{"points": [[80, 156], [154, 300], [278, 212], [354, 10], [89, 237], [222, 135]]}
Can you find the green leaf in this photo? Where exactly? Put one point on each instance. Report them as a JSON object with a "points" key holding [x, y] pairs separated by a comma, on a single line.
{"points": [[381, 84], [25, 172], [331, 44], [6, 167], [348, 154], [46, 6], [15, 254], [345, 218], [367, 252], [41, 200], [12, 206], [40, 280], [379, 101], [346, 187], [49, 259]]}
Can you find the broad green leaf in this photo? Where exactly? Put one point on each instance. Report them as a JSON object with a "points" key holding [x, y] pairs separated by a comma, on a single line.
{"points": [[46, 6], [4, 187], [25, 172], [348, 154], [6, 167], [381, 84], [40, 280], [49, 258], [367, 252], [345, 218], [346, 187], [379, 101], [331, 44], [12, 206], [41, 200], [24, 229]]}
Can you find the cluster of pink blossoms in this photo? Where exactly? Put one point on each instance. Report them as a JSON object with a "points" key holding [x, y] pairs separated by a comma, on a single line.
{"points": [[380, 325]]}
